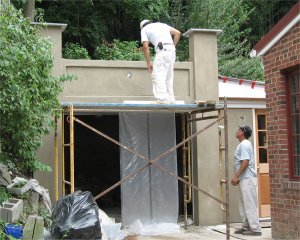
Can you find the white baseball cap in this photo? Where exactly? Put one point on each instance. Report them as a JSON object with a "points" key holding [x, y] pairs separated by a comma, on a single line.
{"points": [[143, 23]]}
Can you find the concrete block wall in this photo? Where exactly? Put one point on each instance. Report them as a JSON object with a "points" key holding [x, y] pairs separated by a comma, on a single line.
{"points": [[11, 210], [285, 194]]}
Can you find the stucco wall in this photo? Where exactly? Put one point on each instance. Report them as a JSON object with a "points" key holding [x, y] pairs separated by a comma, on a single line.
{"points": [[110, 81], [45, 153], [236, 117], [117, 81], [203, 54]]}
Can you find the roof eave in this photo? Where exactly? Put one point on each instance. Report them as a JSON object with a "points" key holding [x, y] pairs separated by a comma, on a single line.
{"points": [[276, 33]]}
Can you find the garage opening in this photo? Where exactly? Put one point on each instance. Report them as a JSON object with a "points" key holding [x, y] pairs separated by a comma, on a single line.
{"points": [[97, 160]]}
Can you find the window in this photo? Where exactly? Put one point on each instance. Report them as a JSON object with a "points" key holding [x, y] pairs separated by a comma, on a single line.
{"points": [[262, 138], [294, 122]]}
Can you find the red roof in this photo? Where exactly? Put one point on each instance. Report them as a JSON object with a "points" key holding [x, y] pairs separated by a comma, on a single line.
{"points": [[289, 20]]}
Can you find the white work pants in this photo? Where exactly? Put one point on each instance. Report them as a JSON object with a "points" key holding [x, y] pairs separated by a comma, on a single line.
{"points": [[162, 74], [248, 204]]}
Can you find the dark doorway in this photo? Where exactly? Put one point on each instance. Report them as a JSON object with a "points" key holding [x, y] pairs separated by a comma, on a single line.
{"points": [[97, 165], [97, 160], [179, 139]]}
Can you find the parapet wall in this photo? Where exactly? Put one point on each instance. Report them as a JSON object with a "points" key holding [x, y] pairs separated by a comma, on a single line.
{"points": [[117, 81]]}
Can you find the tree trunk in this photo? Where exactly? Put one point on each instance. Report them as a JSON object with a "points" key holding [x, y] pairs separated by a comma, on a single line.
{"points": [[29, 8]]}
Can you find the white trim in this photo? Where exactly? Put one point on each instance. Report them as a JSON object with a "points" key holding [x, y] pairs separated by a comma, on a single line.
{"points": [[232, 89], [59, 25], [253, 53], [254, 137], [244, 104], [190, 31]]}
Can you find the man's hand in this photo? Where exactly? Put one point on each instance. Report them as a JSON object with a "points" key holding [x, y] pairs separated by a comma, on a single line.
{"points": [[147, 56], [243, 167], [150, 67], [235, 180]]}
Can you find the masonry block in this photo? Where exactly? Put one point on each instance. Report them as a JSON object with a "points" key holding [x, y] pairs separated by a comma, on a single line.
{"points": [[34, 228], [11, 210], [13, 188]]}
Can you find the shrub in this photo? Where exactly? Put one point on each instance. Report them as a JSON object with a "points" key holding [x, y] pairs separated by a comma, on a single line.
{"points": [[119, 50], [75, 51], [29, 93]]}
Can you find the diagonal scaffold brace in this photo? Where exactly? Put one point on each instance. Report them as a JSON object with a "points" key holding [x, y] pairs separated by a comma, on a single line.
{"points": [[153, 161]]}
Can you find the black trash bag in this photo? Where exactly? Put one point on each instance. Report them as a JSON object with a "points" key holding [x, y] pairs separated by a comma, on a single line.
{"points": [[76, 216]]}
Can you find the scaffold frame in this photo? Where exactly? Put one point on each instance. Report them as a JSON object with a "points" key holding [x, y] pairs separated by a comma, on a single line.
{"points": [[188, 113]]}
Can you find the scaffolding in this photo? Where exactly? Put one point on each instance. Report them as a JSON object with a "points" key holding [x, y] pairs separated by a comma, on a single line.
{"points": [[190, 113]]}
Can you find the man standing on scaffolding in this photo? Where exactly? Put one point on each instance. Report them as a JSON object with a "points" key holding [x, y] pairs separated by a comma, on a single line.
{"points": [[246, 177], [160, 36]]}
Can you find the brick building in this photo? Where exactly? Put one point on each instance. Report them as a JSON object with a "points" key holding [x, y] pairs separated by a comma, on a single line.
{"points": [[280, 50]]}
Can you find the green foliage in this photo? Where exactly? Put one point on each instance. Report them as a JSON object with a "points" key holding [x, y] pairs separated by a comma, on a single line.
{"points": [[4, 195], [28, 91], [75, 51], [243, 23], [242, 67], [231, 17], [27, 207], [148, 9], [28, 210], [20, 184], [127, 51], [86, 24], [106, 19], [43, 212], [265, 15], [177, 13]]}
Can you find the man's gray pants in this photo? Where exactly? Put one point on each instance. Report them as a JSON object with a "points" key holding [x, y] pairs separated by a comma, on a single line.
{"points": [[248, 204]]}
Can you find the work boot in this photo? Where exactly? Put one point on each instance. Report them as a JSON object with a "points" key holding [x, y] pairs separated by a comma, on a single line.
{"points": [[251, 233], [240, 231]]}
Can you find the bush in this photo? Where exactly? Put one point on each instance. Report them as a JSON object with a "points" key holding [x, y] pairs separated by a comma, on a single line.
{"points": [[125, 50], [29, 93], [75, 51], [4, 195]]}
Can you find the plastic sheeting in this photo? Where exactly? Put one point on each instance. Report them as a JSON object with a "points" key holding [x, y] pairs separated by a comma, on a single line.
{"points": [[75, 216], [151, 195], [137, 228]]}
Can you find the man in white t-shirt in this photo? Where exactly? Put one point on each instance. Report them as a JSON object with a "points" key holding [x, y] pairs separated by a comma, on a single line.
{"points": [[164, 39], [246, 177]]}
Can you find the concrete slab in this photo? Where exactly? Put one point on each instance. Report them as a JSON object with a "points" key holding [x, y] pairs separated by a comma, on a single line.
{"points": [[266, 232], [206, 233]]}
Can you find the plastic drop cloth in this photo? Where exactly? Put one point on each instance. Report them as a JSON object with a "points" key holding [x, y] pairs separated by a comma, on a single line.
{"points": [[152, 195]]}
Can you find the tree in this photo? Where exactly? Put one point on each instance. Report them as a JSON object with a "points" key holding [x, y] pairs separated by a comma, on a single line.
{"points": [[29, 94], [106, 21], [265, 15], [243, 23], [29, 9], [233, 45]]}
